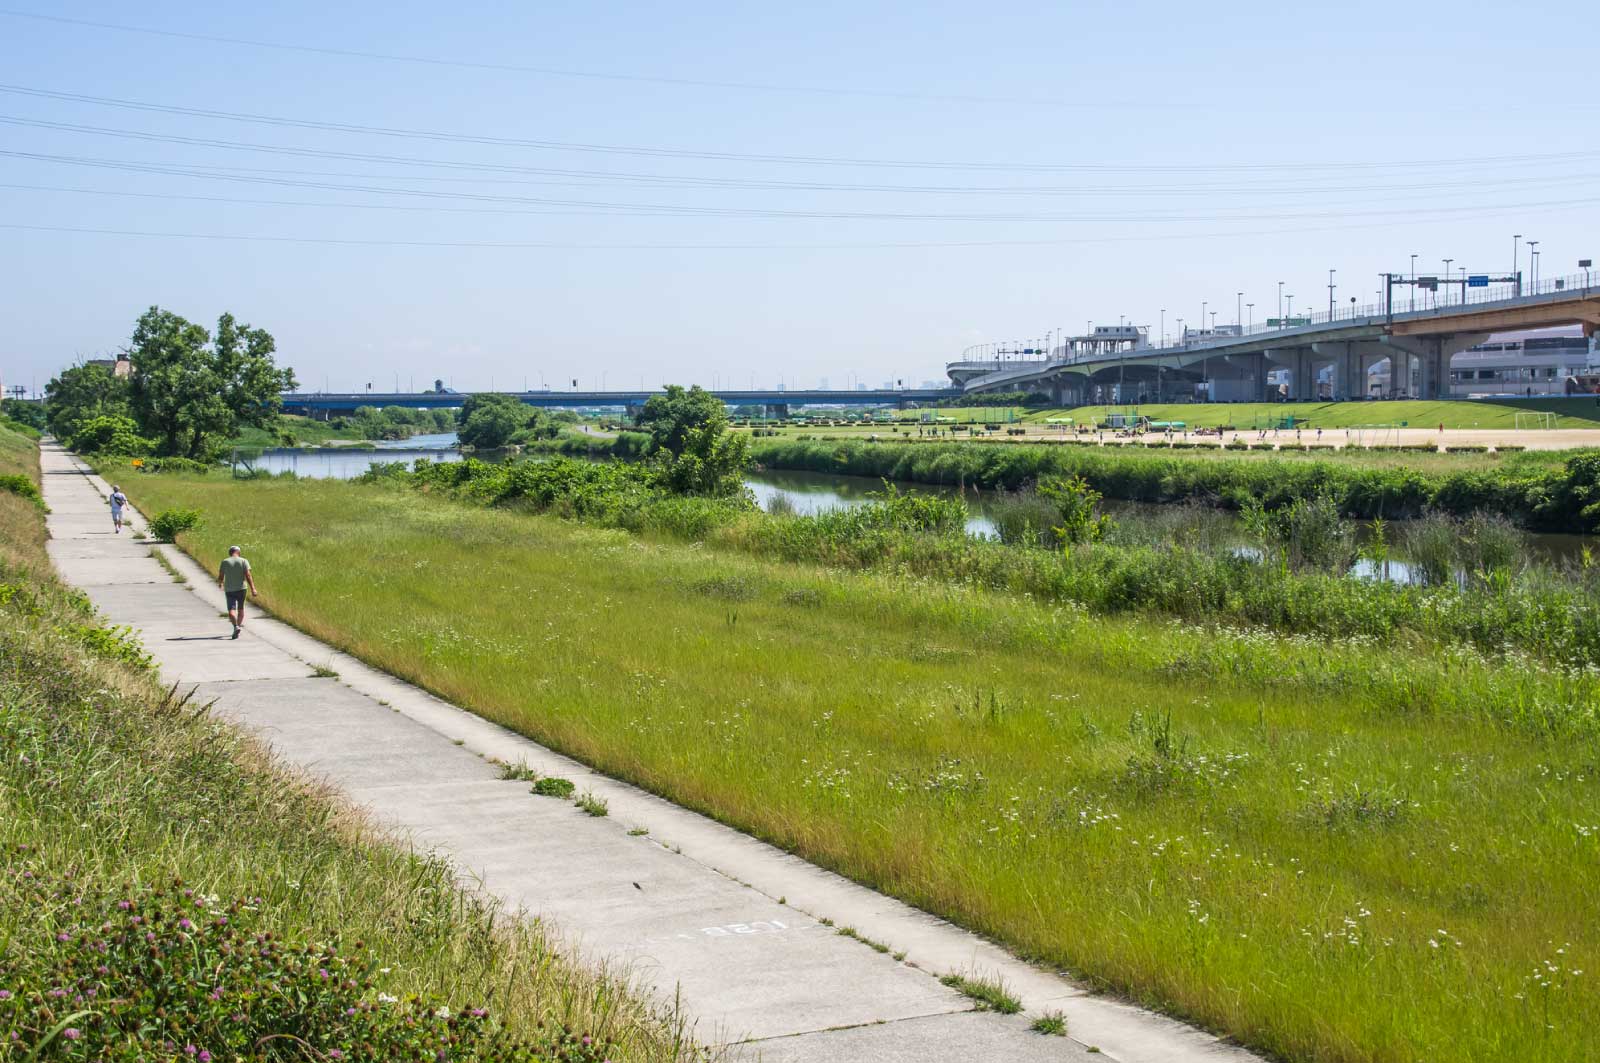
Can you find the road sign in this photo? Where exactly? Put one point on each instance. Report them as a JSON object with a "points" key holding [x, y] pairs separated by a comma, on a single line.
{"points": [[1478, 280]]}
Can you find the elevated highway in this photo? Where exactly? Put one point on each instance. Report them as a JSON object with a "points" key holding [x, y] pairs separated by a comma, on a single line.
{"points": [[1419, 345], [324, 404]]}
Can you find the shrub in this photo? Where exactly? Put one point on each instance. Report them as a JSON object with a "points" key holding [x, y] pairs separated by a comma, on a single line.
{"points": [[115, 435], [18, 484], [170, 523]]}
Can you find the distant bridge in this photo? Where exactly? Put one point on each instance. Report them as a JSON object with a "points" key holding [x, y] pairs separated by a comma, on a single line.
{"points": [[1234, 365], [314, 404]]}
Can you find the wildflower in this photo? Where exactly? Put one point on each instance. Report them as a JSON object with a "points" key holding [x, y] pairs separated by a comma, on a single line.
{"points": [[5, 994], [184, 924], [72, 1033]]}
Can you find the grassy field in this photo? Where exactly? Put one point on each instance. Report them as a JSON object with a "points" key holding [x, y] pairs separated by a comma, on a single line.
{"points": [[1575, 412], [1571, 413], [1287, 839], [123, 811]]}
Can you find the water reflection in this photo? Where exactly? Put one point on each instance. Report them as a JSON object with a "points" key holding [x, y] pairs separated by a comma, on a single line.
{"points": [[813, 492]]}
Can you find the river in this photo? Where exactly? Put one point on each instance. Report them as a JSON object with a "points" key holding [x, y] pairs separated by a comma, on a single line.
{"points": [[814, 492]]}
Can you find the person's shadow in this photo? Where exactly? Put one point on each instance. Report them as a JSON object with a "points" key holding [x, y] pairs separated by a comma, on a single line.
{"points": [[198, 638]]}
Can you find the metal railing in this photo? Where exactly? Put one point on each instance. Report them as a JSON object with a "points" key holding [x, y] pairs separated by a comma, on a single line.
{"points": [[1435, 303]]}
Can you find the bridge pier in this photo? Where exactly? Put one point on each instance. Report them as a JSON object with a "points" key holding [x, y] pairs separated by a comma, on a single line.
{"points": [[778, 410]]}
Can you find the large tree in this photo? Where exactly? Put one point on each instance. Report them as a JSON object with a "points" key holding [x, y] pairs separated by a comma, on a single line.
{"points": [[191, 392], [81, 394]]}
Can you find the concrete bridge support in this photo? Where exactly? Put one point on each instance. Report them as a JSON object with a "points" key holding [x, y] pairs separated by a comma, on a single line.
{"points": [[777, 410], [1434, 354]]}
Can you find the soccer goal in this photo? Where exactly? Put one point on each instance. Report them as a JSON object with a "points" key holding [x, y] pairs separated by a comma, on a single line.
{"points": [[1374, 435], [1535, 419]]}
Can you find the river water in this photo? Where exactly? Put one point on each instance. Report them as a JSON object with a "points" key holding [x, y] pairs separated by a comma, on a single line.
{"points": [[814, 492]]}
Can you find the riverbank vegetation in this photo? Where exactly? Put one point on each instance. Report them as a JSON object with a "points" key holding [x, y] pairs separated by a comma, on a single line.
{"points": [[1474, 584], [1332, 848], [166, 891], [1557, 492]]}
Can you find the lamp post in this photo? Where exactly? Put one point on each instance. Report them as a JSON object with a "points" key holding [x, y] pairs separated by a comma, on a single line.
{"points": [[1413, 278], [1251, 308], [1533, 264], [1163, 326], [1445, 295], [1516, 258], [1238, 314], [1280, 304], [1331, 272]]}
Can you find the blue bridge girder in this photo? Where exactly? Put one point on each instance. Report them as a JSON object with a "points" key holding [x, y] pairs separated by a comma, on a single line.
{"points": [[336, 402]]}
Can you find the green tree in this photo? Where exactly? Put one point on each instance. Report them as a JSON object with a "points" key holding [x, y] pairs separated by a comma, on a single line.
{"points": [[191, 392], [31, 414], [82, 393], [673, 419], [690, 441], [489, 421]]}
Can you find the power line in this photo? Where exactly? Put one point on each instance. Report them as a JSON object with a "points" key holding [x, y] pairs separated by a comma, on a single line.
{"points": [[566, 246], [592, 75], [808, 160], [647, 211], [319, 153]]}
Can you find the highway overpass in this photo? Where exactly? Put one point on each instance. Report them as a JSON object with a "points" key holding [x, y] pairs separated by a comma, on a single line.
{"points": [[325, 404], [1419, 344]]}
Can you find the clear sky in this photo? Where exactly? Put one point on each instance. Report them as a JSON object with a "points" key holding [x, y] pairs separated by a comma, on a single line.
{"points": [[1072, 162]]}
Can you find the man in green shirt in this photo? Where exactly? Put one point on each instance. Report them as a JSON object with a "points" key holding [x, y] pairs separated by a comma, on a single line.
{"points": [[233, 577]]}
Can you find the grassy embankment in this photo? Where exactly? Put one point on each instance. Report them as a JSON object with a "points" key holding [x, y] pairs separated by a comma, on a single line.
{"points": [[124, 811], [1331, 850], [1573, 412]]}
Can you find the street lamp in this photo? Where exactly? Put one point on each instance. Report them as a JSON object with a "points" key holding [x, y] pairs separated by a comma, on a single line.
{"points": [[1445, 295], [1516, 257], [1413, 279], [1331, 272], [1533, 264], [1251, 307], [1280, 304], [1238, 317]]}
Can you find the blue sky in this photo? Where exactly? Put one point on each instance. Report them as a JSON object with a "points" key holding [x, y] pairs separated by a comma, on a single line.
{"points": [[1092, 161]]}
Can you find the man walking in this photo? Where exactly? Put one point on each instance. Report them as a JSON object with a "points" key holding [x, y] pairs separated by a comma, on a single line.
{"points": [[118, 500], [233, 577]]}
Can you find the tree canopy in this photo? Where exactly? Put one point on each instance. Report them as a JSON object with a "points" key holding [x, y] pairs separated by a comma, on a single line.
{"points": [[81, 394], [493, 420], [191, 391], [689, 437]]}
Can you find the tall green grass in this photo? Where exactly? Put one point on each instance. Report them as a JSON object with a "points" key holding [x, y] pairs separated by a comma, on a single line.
{"points": [[1333, 850], [1303, 585], [124, 808]]}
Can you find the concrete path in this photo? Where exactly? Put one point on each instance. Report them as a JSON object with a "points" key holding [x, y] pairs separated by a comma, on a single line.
{"points": [[693, 907]]}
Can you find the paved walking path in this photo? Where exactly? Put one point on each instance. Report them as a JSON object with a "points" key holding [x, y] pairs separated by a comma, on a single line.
{"points": [[692, 906]]}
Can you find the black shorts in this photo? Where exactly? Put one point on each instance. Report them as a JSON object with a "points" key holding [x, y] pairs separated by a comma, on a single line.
{"points": [[235, 599]]}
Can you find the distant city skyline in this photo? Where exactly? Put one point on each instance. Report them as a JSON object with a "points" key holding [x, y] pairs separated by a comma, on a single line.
{"points": [[488, 194]]}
